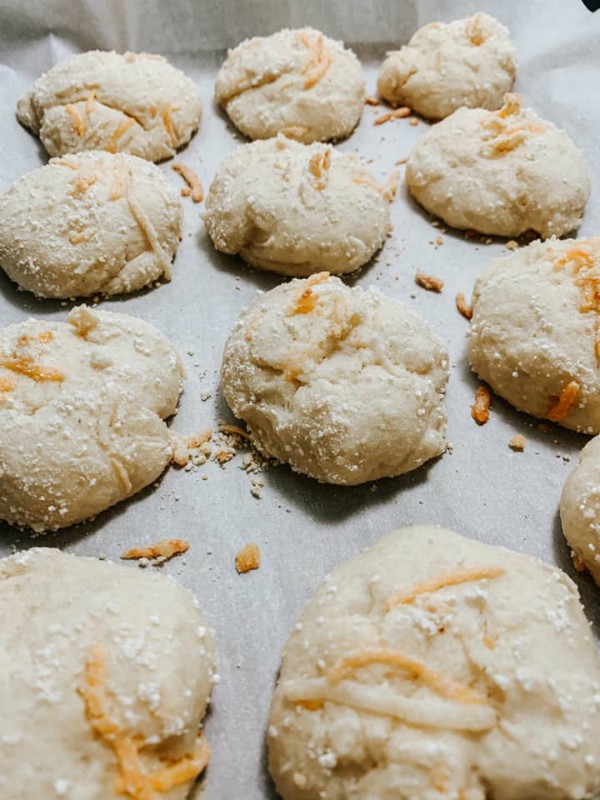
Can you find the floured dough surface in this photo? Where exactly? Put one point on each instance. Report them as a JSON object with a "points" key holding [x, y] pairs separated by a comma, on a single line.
{"points": [[469, 62], [89, 223], [296, 82], [500, 172], [133, 103], [82, 406], [535, 331], [297, 209], [106, 675], [433, 666], [344, 385], [580, 509]]}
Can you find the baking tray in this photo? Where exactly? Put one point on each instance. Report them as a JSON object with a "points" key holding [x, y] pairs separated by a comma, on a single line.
{"points": [[481, 488]]}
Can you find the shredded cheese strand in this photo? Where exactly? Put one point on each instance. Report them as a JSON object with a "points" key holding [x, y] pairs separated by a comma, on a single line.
{"points": [[562, 407], [77, 119], [442, 684], [147, 227], [442, 581], [318, 166], [305, 302], [318, 61], [28, 368]]}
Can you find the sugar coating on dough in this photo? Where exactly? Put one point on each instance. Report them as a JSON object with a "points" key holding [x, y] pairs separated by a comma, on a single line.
{"points": [[89, 223], [469, 62], [297, 82], [535, 331], [133, 103], [345, 385], [580, 508], [436, 667], [82, 406], [500, 172], [297, 209], [87, 647]]}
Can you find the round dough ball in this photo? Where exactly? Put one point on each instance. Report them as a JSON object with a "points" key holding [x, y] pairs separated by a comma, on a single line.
{"points": [[344, 385], [580, 509], [133, 103], [81, 415], [535, 333], [436, 667], [89, 223], [296, 82], [502, 173], [88, 647], [469, 62], [297, 209]]}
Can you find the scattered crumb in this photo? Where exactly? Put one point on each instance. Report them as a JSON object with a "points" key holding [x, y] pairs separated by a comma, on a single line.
{"points": [[439, 241], [429, 282], [463, 308], [480, 410], [398, 113], [512, 245], [248, 558], [517, 442], [371, 101], [401, 162], [196, 190], [223, 456], [544, 427], [234, 429], [413, 121], [256, 490], [205, 396], [157, 553]]}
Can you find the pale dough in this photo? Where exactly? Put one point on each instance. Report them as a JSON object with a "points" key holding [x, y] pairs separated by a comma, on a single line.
{"points": [[500, 172], [580, 508], [469, 62], [132, 103], [343, 384], [89, 223], [535, 331], [436, 667], [296, 209], [82, 406], [75, 627], [297, 82]]}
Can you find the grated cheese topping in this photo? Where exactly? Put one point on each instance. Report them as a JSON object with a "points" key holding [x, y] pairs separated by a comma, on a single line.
{"points": [[305, 301], [398, 113], [165, 549], [473, 574], [475, 31], [318, 58], [563, 405], [480, 410], [119, 131], [193, 181], [318, 166], [463, 307], [77, 119]]}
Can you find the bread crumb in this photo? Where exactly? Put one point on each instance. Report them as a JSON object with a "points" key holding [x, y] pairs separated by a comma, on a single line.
{"points": [[163, 550], [517, 442], [480, 410], [463, 308], [578, 562], [429, 282], [512, 245], [413, 122], [248, 558]]}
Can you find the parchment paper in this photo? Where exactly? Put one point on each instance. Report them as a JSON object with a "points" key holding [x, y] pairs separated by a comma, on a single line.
{"points": [[481, 489]]}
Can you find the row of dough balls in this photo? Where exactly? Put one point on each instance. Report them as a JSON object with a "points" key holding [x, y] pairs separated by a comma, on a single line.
{"points": [[107, 223], [297, 82], [342, 384], [430, 666]]}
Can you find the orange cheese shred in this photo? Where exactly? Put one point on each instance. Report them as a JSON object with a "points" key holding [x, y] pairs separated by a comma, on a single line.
{"points": [[462, 306], [168, 122], [192, 180], [562, 406], [7, 384], [475, 31], [318, 166], [28, 367], [305, 302], [167, 548], [442, 684], [391, 187], [480, 410], [398, 113], [512, 105], [318, 58], [133, 780], [448, 579], [119, 131], [77, 119]]}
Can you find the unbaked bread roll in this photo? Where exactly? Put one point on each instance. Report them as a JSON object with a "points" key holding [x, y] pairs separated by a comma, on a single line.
{"points": [[580, 509], [501, 173], [82, 406], [344, 385], [535, 333], [296, 209], [296, 82], [106, 674], [435, 667], [89, 223], [132, 103], [469, 62]]}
